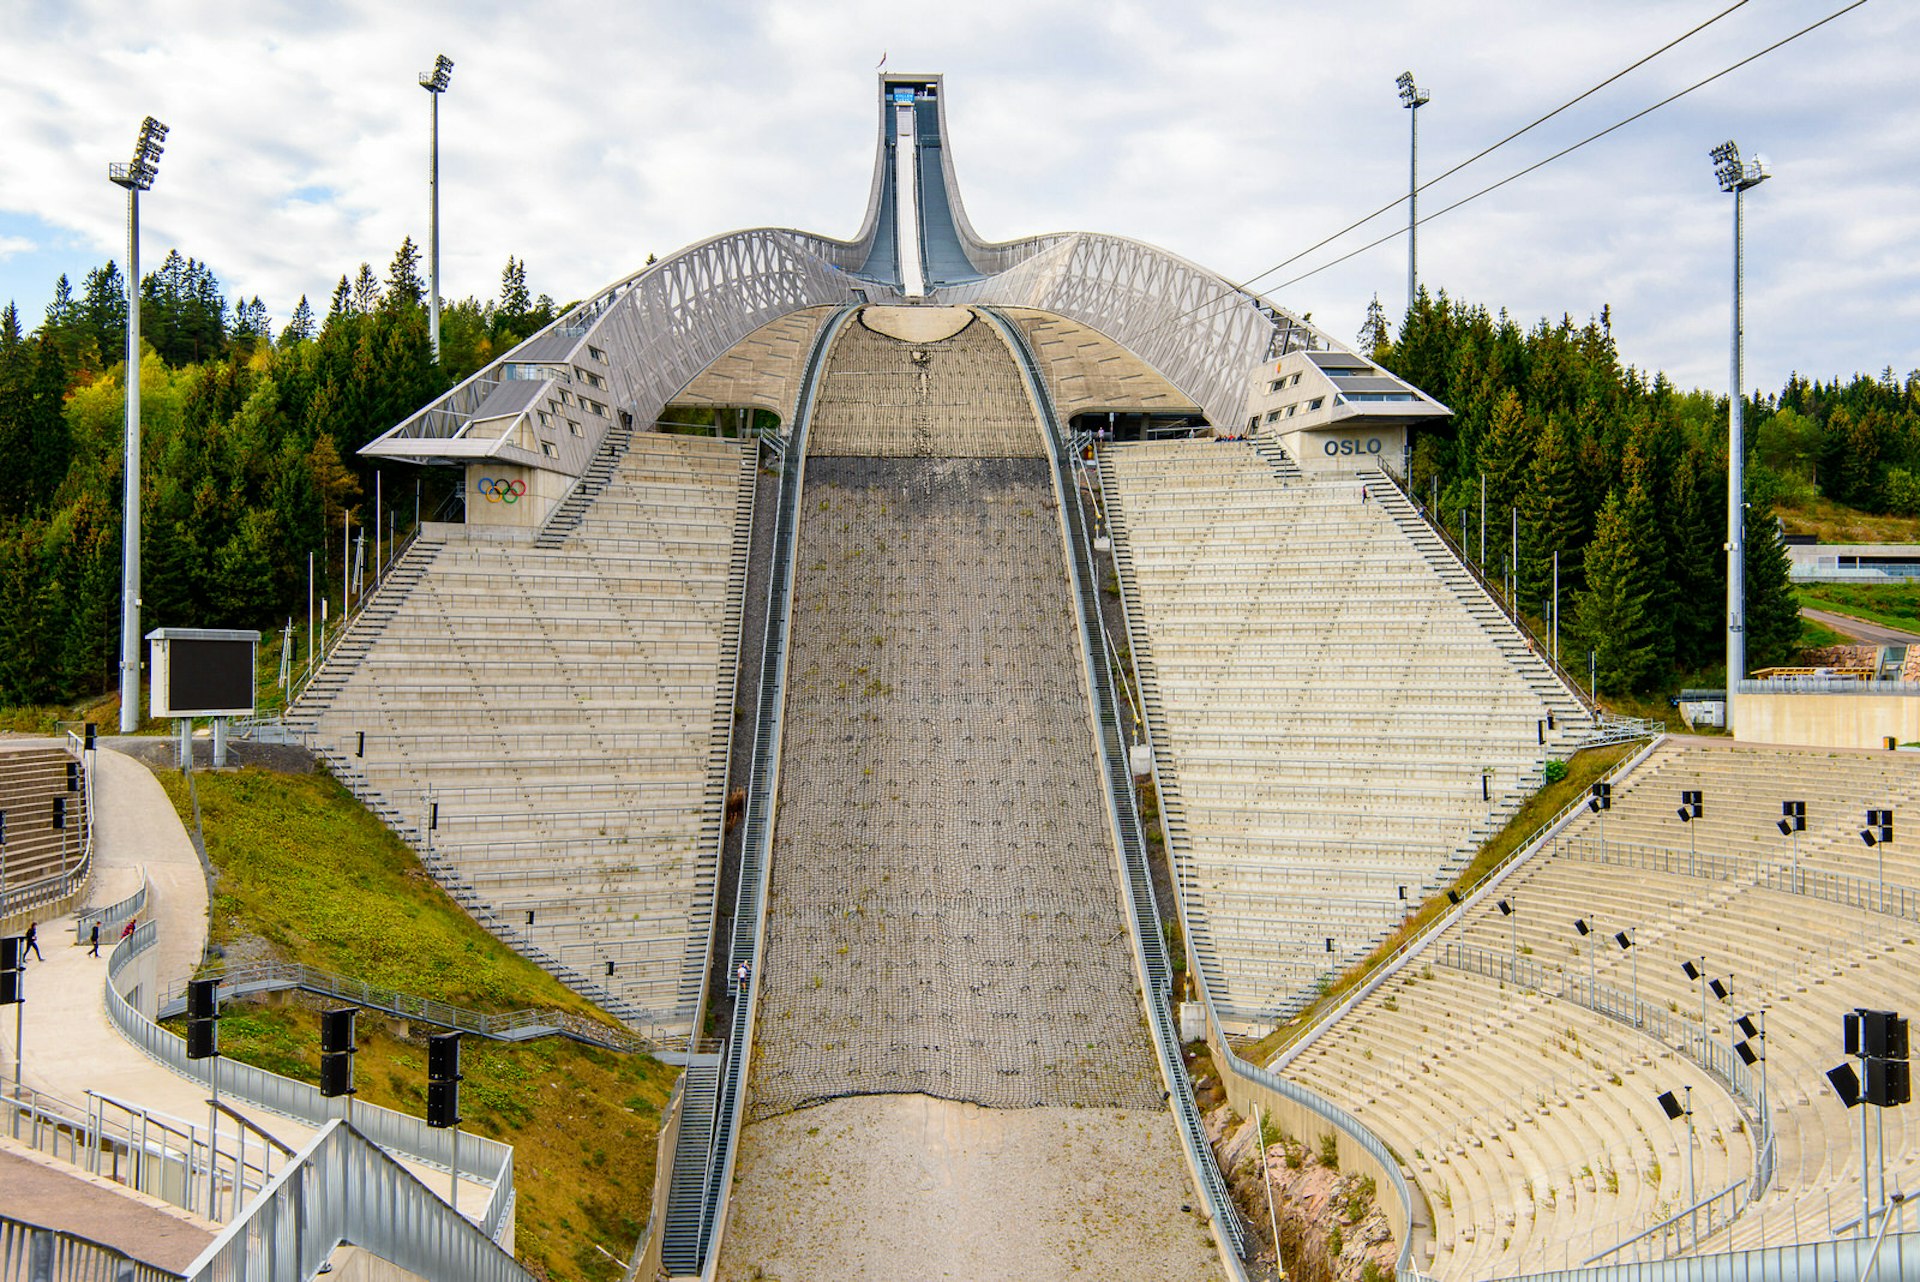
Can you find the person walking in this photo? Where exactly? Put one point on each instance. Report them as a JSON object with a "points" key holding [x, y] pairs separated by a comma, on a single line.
{"points": [[742, 975], [33, 942], [95, 940]]}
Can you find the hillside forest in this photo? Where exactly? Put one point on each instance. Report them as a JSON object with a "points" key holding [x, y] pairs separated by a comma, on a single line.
{"points": [[251, 432]]}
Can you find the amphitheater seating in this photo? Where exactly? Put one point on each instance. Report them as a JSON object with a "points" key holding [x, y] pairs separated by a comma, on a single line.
{"points": [[1803, 959], [32, 779], [568, 712], [1339, 713]]}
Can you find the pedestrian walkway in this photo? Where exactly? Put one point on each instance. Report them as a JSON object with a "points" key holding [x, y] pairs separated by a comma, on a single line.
{"points": [[72, 1047], [46, 1191]]}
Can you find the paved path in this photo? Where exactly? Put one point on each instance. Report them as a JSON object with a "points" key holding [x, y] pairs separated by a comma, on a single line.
{"points": [[1859, 629], [48, 1192], [72, 1046]]}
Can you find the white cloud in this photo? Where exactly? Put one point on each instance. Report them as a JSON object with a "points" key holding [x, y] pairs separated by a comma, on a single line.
{"points": [[582, 137], [12, 245]]}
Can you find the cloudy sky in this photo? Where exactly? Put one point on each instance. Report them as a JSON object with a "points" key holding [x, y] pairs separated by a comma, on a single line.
{"points": [[581, 137]]}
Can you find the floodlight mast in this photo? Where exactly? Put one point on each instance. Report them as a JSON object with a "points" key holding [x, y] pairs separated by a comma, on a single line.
{"points": [[1412, 98], [435, 83], [136, 176], [1736, 176]]}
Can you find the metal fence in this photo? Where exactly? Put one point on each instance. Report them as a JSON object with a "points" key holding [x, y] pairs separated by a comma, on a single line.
{"points": [[410, 1136], [510, 1026], [1898, 1256], [29, 1253], [341, 1188]]}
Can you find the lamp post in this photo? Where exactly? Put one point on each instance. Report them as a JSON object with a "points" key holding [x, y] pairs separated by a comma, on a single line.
{"points": [[1793, 822], [1624, 938], [1691, 808], [1593, 982], [1508, 910], [435, 83], [1413, 98], [1675, 1110], [136, 176], [1877, 834], [1736, 175]]}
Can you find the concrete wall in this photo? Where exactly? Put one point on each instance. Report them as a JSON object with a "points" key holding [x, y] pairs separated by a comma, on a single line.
{"points": [[524, 494], [1346, 448], [1828, 720]]}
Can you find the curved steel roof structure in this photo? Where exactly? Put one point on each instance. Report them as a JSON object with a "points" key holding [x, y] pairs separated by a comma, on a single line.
{"points": [[626, 351]]}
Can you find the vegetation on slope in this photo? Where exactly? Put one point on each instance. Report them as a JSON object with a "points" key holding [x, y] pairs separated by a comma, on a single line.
{"points": [[304, 872], [1581, 771], [1893, 605]]}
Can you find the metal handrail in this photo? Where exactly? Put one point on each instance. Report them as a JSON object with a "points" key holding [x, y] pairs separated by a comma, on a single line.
{"points": [[510, 1026], [1511, 612], [1423, 936]]}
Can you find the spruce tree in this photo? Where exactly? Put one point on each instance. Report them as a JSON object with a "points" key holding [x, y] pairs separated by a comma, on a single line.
{"points": [[404, 288], [1552, 517], [1612, 616], [300, 325], [1696, 562], [1773, 615], [341, 304], [1506, 453]]}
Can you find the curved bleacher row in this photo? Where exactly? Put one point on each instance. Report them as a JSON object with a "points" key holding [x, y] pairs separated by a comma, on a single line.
{"points": [[1577, 1090], [1339, 715], [552, 724]]}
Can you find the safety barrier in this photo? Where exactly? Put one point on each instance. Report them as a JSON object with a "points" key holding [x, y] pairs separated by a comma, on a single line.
{"points": [[29, 1253], [410, 1136], [343, 1188]]}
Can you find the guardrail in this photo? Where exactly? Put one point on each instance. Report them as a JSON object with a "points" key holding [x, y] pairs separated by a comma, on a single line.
{"points": [[1150, 946], [1866, 893], [1827, 685], [512, 1026], [343, 1188], [1390, 965], [62, 886], [302, 1102], [1894, 1256], [30, 1253]]}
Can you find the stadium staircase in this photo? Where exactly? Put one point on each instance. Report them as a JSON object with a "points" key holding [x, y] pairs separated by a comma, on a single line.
{"points": [[693, 1152], [1326, 689], [548, 722]]}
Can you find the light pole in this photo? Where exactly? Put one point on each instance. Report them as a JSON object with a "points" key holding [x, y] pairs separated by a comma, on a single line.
{"points": [[1736, 176], [136, 176], [1877, 834], [1691, 808], [1412, 98], [1675, 1110], [1593, 983], [435, 83], [1793, 822]]}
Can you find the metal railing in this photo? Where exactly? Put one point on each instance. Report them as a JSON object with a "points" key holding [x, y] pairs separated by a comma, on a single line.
{"points": [[410, 1136], [1540, 648], [62, 886], [1828, 685], [1865, 893], [30, 1253], [1144, 916], [512, 1026], [1423, 937], [1680, 1232], [113, 915], [1896, 1256], [343, 1188]]}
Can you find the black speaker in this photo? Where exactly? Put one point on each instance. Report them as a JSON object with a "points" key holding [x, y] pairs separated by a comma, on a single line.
{"points": [[443, 1057], [93, 732], [336, 1030], [13, 952], [203, 1039], [336, 1074], [1850, 1031], [203, 998], [1746, 1026], [1690, 970], [1745, 1051], [59, 812], [73, 776], [443, 1104], [11, 990], [1845, 1084], [1885, 1034], [1671, 1106], [1580, 924], [1888, 1084]]}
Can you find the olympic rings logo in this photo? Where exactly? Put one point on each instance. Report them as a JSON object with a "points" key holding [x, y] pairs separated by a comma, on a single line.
{"points": [[500, 490]]}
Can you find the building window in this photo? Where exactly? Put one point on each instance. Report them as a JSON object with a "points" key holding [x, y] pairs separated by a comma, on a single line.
{"points": [[1254, 421], [596, 353], [1276, 384], [1295, 382], [1273, 416], [1315, 403], [546, 448], [1291, 409], [573, 427]]}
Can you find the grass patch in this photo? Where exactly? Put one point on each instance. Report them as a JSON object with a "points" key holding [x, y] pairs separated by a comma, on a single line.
{"points": [[584, 1122], [1893, 605], [1830, 522], [303, 866], [1583, 768]]}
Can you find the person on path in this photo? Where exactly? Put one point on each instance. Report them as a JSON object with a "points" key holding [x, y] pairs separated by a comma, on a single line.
{"points": [[126, 932], [743, 973], [95, 950], [33, 942]]}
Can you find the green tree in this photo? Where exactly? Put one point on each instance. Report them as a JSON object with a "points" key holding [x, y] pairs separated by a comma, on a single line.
{"points": [[1552, 517], [1613, 615], [299, 325], [1506, 453], [404, 288], [1773, 615]]}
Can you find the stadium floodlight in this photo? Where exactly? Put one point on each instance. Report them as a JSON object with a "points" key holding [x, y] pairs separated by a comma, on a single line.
{"points": [[1736, 175], [1412, 97], [435, 82], [136, 176]]}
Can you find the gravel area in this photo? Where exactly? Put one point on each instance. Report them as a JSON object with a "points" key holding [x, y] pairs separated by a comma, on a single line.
{"points": [[896, 1188]]}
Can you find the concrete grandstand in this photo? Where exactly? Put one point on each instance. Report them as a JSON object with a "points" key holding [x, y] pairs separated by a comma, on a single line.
{"points": [[949, 1036]]}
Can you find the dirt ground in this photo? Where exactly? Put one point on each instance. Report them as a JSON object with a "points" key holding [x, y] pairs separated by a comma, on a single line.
{"points": [[897, 1188]]}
